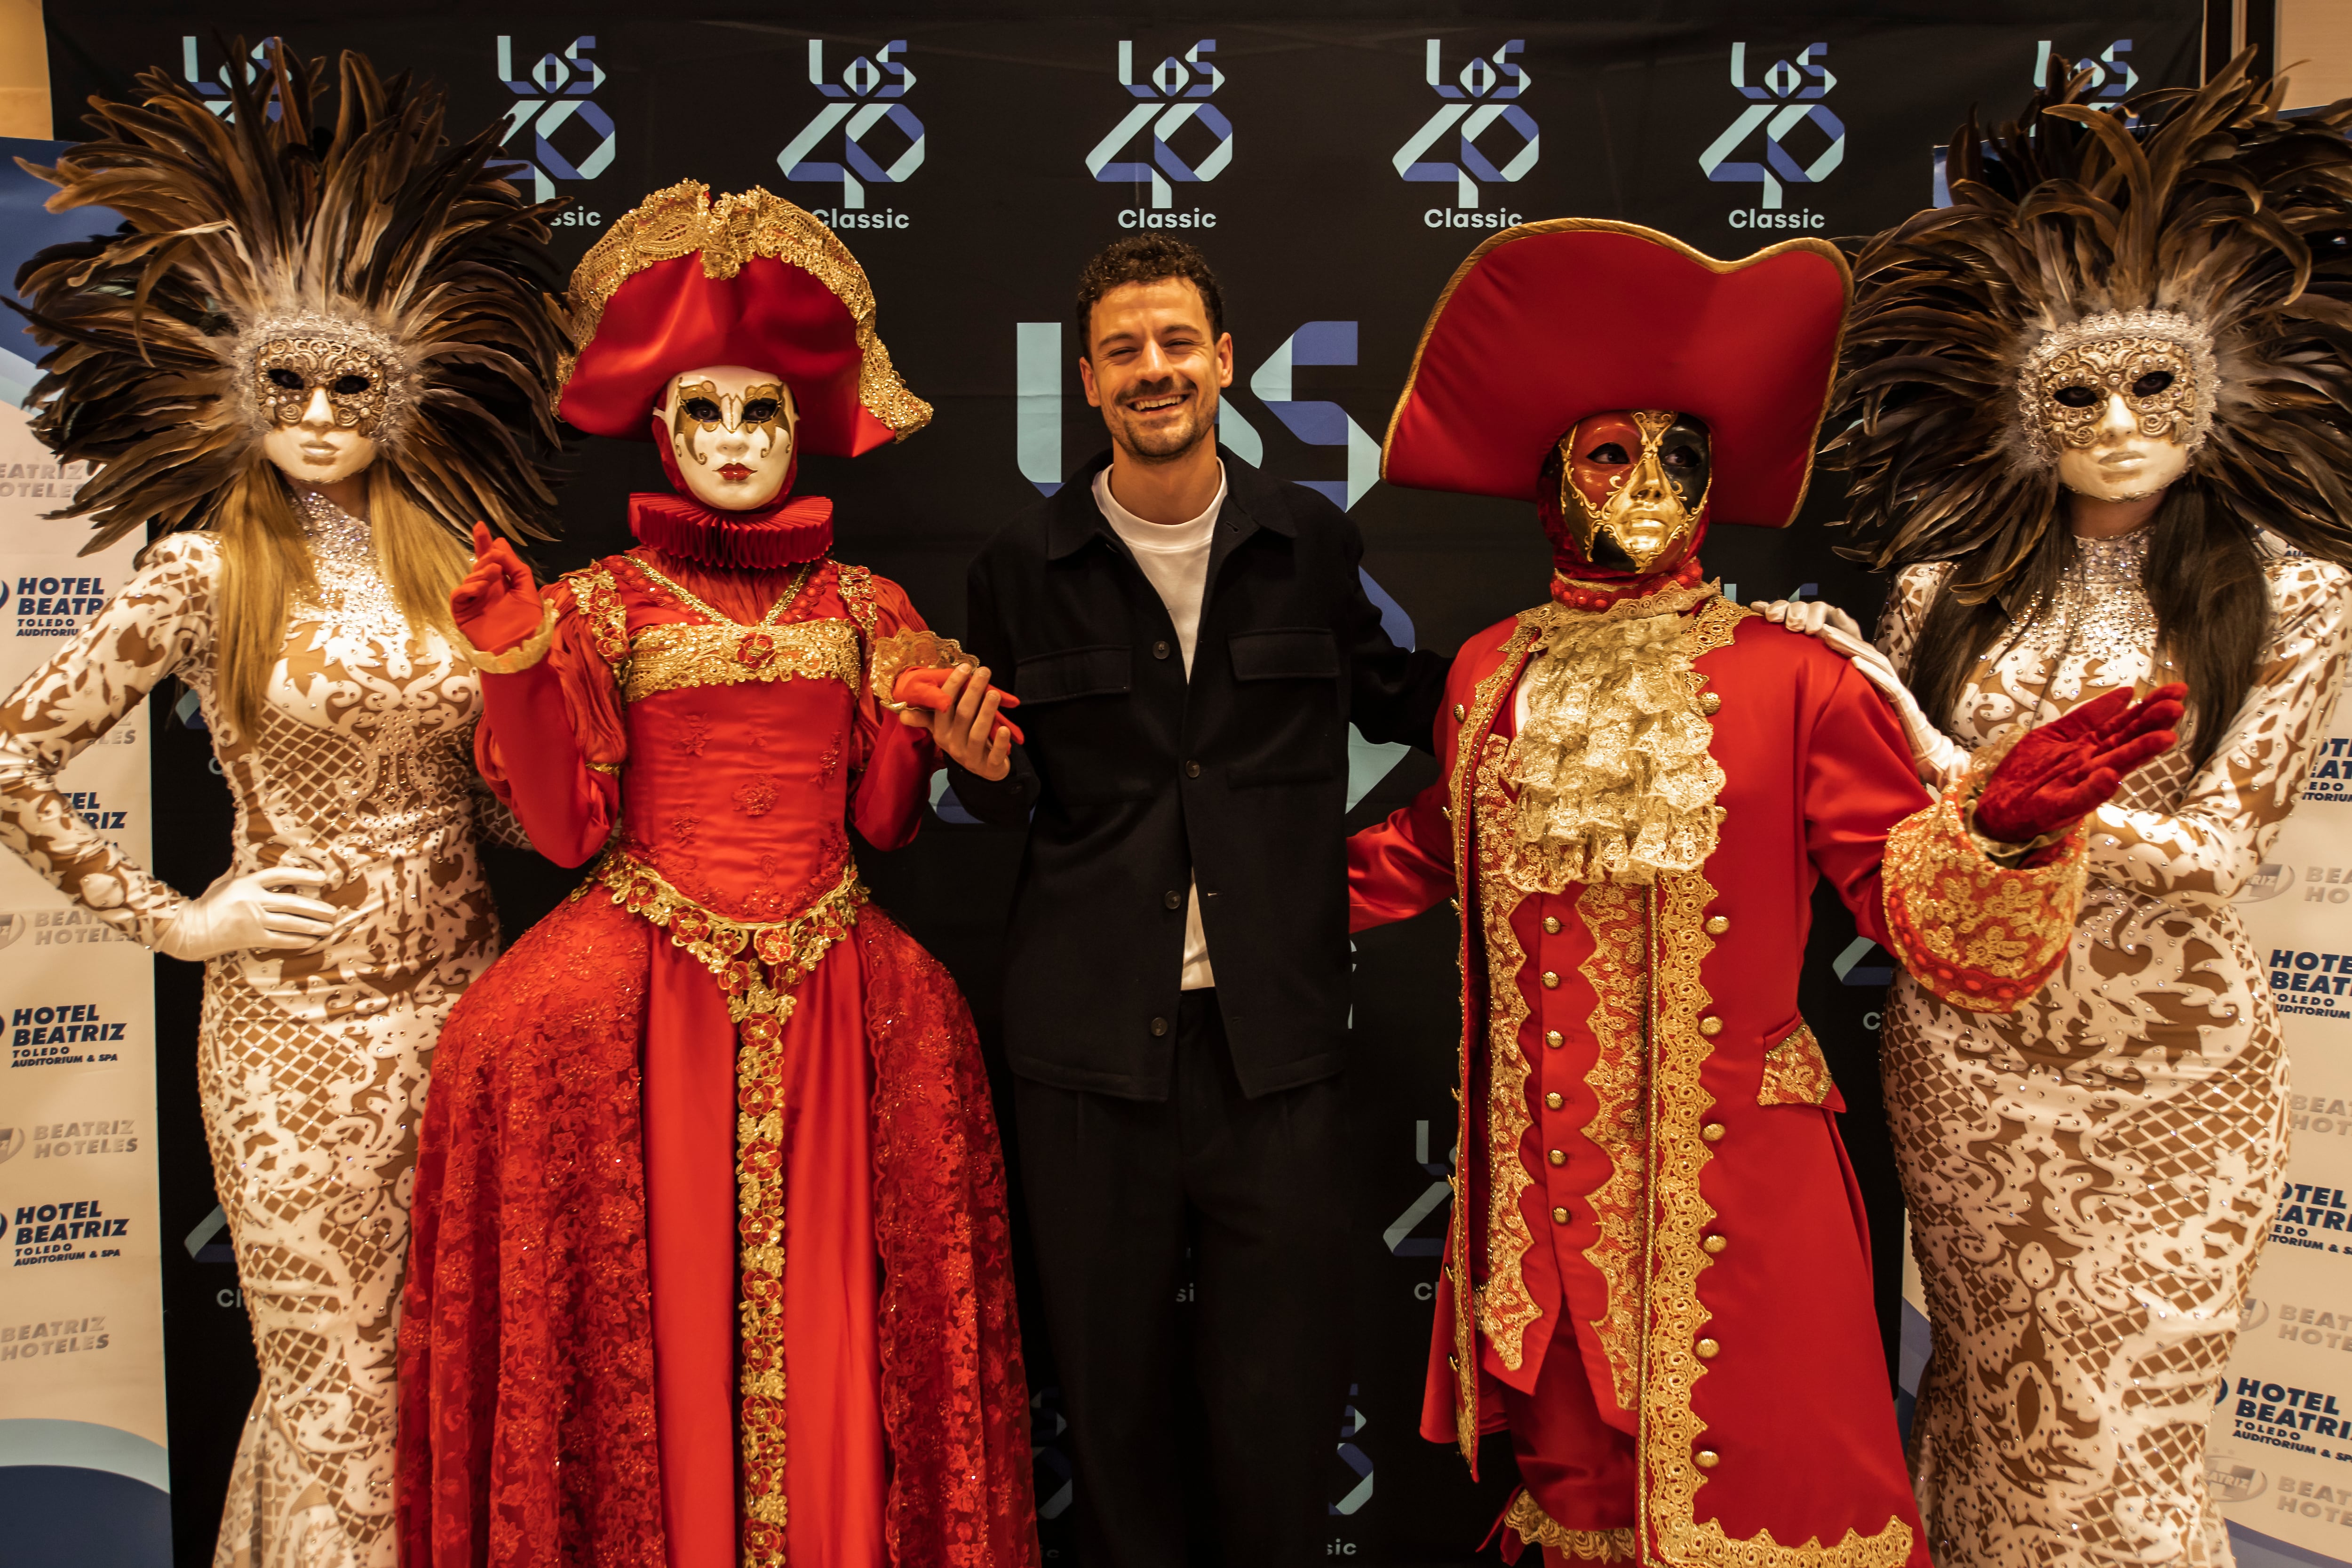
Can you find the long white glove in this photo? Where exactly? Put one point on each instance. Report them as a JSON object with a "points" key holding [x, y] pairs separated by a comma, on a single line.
{"points": [[1935, 755], [239, 915]]}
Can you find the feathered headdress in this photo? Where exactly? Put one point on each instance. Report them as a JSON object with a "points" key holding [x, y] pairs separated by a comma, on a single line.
{"points": [[366, 254], [2194, 225]]}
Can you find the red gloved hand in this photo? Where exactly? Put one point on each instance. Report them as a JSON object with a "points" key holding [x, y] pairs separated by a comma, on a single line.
{"points": [[2061, 772], [928, 688], [496, 605]]}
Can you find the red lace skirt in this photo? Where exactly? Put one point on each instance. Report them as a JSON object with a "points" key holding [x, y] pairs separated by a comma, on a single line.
{"points": [[568, 1341]]}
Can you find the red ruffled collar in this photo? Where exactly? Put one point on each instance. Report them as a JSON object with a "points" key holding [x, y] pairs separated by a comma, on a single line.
{"points": [[785, 533]]}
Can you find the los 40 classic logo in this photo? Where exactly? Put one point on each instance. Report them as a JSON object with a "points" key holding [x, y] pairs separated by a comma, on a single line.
{"points": [[1175, 95], [1481, 99], [1787, 98], [867, 98]]}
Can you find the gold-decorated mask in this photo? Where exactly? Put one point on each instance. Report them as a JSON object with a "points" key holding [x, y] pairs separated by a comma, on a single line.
{"points": [[2159, 362], [1632, 484], [757, 411], [290, 370]]}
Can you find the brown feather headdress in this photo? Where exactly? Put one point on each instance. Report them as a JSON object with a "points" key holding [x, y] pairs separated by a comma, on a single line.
{"points": [[366, 237], [2199, 218]]}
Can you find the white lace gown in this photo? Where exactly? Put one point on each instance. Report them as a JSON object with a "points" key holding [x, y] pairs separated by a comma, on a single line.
{"points": [[2089, 1178], [311, 1065]]}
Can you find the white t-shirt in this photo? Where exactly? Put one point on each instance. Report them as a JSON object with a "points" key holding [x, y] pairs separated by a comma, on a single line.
{"points": [[1175, 560]]}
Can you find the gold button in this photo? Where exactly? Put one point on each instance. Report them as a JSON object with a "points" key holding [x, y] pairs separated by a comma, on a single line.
{"points": [[1710, 1027], [1460, 712], [1709, 702], [1706, 1349], [1715, 1244], [1553, 1038], [1550, 979], [1716, 925], [1446, 812], [1551, 925], [1559, 1156], [1553, 1100], [1712, 1131], [1708, 1458], [1559, 1216]]}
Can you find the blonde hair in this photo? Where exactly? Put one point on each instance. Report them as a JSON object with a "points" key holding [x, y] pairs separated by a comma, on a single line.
{"points": [[266, 559]]}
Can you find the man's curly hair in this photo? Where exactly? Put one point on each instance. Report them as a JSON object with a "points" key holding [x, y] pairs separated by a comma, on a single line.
{"points": [[1144, 258]]}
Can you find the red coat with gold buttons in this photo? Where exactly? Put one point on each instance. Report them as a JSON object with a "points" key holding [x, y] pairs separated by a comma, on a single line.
{"points": [[1645, 1140]]}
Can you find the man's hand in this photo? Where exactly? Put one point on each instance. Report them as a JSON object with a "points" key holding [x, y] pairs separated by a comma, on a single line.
{"points": [[2061, 772], [961, 710], [496, 605]]}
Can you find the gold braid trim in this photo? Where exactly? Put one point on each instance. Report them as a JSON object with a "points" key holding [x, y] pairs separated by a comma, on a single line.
{"points": [[1460, 1232], [756, 964], [1671, 1469], [1506, 1308], [1538, 1528], [1619, 972], [684, 220]]}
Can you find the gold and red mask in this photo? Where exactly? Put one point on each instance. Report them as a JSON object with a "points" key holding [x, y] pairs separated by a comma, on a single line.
{"points": [[1633, 488]]}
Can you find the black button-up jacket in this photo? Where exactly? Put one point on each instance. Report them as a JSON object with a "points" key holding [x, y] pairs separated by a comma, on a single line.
{"points": [[1140, 780]]}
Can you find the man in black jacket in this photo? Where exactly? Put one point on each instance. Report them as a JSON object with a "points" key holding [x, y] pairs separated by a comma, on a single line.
{"points": [[1189, 642]]}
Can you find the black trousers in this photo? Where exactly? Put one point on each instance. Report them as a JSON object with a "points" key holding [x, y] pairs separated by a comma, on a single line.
{"points": [[1118, 1190]]}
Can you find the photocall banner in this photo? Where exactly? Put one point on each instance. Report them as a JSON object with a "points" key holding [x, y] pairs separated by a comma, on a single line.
{"points": [[1335, 172], [83, 1469]]}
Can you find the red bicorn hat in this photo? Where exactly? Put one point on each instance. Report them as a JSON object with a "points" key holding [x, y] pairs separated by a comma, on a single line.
{"points": [[1549, 323], [684, 282]]}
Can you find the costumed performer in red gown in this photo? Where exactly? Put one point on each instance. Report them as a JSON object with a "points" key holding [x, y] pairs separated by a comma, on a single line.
{"points": [[1657, 1275], [711, 1264]]}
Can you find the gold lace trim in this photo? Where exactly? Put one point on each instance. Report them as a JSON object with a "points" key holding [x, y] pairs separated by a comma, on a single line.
{"points": [[1795, 1071], [671, 658], [756, 963], [1619, 972], [1671, 1429], [1506, 1308], [1538, 1528], [1611, 766], [1460, 1233], [598, 594], [684, 220]]}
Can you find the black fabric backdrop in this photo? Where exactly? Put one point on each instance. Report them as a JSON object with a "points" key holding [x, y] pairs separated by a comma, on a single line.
{"points": [[1287, 169]]}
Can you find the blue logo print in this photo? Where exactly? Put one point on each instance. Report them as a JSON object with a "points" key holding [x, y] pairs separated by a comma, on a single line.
{"points": [[1175, 90], [1790, 97], [866, 96], [553, 99], [1482, 95]]}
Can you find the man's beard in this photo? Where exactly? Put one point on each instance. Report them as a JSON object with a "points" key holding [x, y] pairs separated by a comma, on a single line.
{"points": [[1173, 440]]}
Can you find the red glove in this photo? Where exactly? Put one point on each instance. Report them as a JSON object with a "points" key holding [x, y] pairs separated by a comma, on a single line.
{"points": [[2061, 772], [927, 689], [496, 605]]}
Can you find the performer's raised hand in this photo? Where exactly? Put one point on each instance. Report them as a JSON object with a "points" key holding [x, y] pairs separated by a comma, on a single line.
{"points": [[2061, 772], [496, 605], [960, 708]]}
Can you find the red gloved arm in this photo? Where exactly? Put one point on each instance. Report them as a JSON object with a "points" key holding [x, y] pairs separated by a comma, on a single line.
{"points": [[533, 746], [2059, 773]]}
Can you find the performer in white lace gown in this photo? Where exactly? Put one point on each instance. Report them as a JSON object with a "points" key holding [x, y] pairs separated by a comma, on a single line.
{"points": [[319, 422], [2088, 495]]}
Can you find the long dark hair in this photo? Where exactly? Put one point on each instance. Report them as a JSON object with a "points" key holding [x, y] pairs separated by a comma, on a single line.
{"points": [[2204, 580]]}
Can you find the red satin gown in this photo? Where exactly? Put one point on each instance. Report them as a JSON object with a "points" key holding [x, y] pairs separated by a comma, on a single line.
{"points": [[711, 1262]]}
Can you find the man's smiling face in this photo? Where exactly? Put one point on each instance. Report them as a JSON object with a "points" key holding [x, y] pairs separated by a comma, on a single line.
{"points": [[1154, 368]]}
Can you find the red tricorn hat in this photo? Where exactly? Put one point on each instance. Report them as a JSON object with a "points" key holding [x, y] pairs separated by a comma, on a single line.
{"points": [[1549, 323], [684, 282]]}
